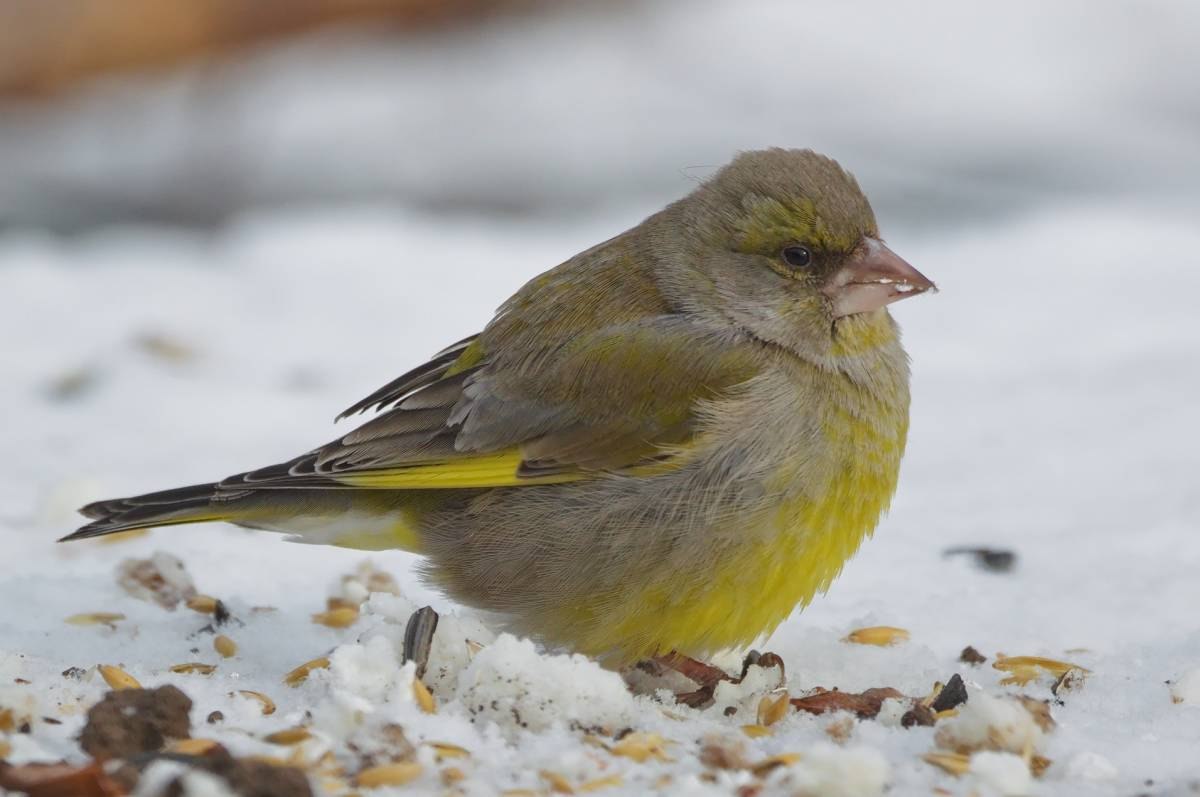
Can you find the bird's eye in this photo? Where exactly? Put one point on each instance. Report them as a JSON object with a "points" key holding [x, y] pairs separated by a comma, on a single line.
{"points": [[797, 256]]}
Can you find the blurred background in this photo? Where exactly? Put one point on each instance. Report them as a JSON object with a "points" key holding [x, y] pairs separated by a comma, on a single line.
{"points": [[223, 221]]}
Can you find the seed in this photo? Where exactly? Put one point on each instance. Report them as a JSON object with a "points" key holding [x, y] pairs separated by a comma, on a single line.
{"points": [[225, 646], [300, 674], [341, 617], [772, 710], [641, 747], [762, 768], [423, 697], [268, 705], [117, 678], [109, 619], [558, 783], [192, 746], [194, 667], [452, 775], [880, 636], [205, 604], [5, 749], [446, 750], [756, 731], [288, 736], [956, 764], [601, 783], [1023, 669], [388, 775]]}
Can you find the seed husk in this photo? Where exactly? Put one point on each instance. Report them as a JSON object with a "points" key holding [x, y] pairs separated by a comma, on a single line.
{"points": [[641, 747], [109, 619], [558, 783], [301, 673], [772, 709], [268, 705], [956, 764], [341, 617], [194, 668], [611, 781], [762, 768], [288, 736], [117, 678], [756, 731], [388, 775], [880, 636], [423, 697]]}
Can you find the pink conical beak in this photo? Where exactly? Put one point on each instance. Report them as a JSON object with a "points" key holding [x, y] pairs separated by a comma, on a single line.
{"points": [[874, 277]]}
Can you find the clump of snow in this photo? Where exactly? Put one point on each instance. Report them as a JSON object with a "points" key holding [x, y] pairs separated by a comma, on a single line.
{"points": [[990, 723], [827, 770], [162, 579], [1186, 688], [744, 696], [892, 712], [1086, 767], [1003, 774], [510, 684]]}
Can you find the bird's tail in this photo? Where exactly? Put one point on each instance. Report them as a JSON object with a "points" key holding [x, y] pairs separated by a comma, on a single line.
{"points": [[195, 504], [347, 517]]}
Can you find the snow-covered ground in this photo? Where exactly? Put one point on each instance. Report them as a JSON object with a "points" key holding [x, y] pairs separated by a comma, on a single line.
{"points": [[1055, 378], [366, 199]]}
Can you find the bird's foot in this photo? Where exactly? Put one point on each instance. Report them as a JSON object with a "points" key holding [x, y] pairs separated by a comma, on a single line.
{"points": [[708, 676]]}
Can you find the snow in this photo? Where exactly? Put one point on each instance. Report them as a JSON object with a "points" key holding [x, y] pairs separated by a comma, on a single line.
{"points": [[1054, 376]]}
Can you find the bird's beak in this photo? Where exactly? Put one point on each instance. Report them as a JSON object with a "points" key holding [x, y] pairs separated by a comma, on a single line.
{"points": [[872, 278]]}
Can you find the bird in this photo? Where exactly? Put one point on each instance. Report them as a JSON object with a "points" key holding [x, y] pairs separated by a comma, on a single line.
{"points": [[656, 450]]}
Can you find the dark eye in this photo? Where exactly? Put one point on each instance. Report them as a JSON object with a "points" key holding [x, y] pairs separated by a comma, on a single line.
{"points": [[797, 256]]}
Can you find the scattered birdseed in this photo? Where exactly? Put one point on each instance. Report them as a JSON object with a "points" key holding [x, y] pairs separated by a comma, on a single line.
{"points": [[341, 617], [756, 731], [1023, 669], [881, 636], [117, 678], [388, 775], [642, 747], [225, 646], [446, 750], [109, 619], [765, 767], [268, 705], [970, 655], [772, 709], [300, 674], [205, 604], [288, 736], [194, 668], [950, 696], [423, 697], [558, 783], [957, 764]]}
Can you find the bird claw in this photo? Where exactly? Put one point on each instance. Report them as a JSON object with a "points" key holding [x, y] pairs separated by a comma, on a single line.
{"points": [[707, 676]]}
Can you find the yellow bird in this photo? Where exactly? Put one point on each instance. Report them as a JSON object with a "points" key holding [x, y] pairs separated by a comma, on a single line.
{"points": [[665, 444]]}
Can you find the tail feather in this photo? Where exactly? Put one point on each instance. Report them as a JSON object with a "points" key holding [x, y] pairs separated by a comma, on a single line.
{"points": [[194, 504]]}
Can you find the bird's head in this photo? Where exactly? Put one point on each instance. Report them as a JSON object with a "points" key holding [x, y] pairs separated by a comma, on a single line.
{"points": [[784, 244]]}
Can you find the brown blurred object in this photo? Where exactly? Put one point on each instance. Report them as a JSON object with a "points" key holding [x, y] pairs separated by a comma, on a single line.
{"points": [[47, 45]]}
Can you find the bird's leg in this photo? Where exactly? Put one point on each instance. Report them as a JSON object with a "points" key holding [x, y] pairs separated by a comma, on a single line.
{"points": [[708, 676], [704, 674]]}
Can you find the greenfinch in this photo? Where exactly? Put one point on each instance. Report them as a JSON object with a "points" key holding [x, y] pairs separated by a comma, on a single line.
{"points": [[663, 445]]}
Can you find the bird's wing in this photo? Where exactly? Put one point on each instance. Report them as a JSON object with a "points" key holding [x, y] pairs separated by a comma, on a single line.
{"points": [[618, 399]]}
